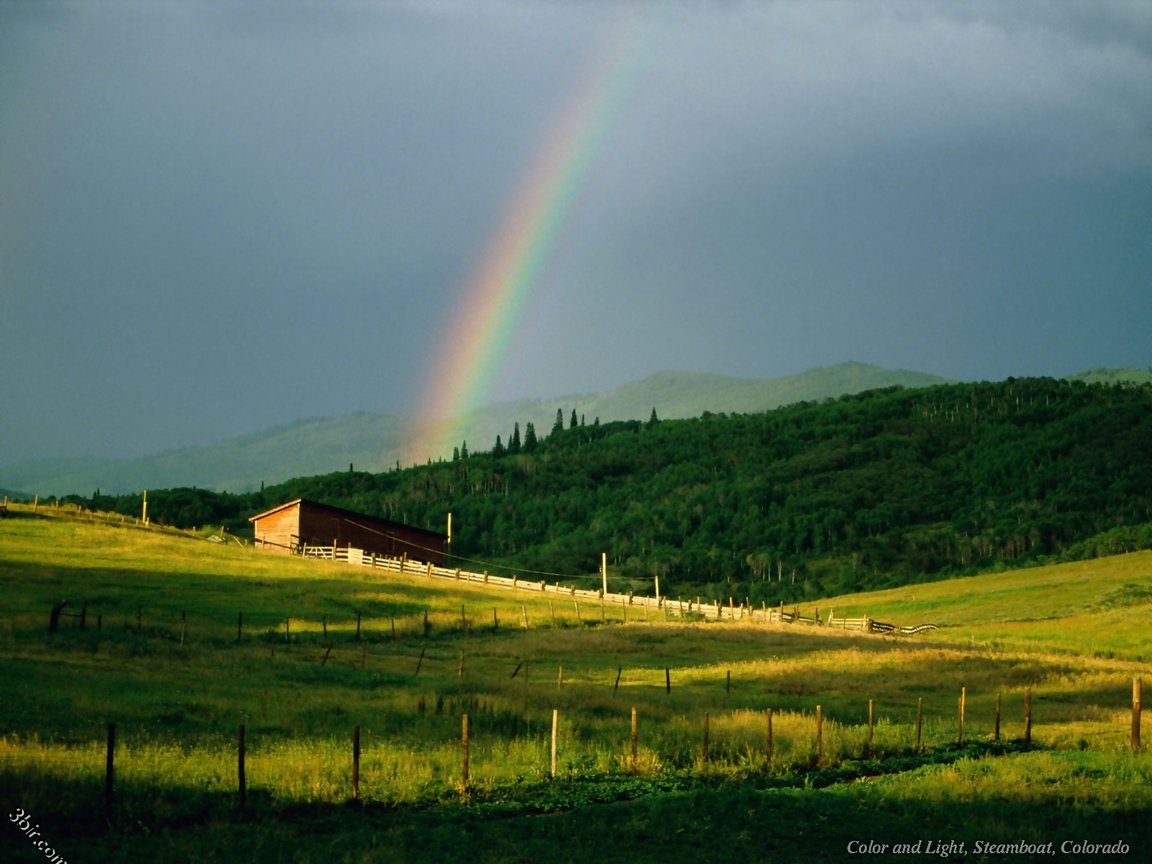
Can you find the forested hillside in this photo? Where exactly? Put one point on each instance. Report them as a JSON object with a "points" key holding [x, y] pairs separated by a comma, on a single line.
{"points": [[864, 491]]}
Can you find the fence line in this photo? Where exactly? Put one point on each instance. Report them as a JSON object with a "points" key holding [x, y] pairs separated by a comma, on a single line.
{"points": [[808, 743], [664, 605]]}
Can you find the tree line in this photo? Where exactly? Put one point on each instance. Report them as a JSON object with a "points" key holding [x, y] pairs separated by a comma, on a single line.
{"points": [[864, 491]]}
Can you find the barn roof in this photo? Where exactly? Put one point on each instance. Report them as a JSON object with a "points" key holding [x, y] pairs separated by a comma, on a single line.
{"points": [[341, 512]]}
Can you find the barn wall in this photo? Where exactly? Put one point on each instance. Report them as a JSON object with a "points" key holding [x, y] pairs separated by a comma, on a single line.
{"points": [[279, 530]]}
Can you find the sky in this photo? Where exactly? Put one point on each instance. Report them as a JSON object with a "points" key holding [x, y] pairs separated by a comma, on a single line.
{"points": [[217, 217]]}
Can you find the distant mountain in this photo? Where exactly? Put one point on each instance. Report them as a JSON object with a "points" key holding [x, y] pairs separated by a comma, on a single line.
{"points": [[375, 442]]}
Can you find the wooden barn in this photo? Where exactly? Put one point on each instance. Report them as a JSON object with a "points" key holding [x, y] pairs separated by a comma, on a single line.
{"points": [[292, 526]]}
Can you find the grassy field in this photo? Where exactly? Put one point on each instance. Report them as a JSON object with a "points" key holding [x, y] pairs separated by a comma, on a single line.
{"points": [[177, 672]]}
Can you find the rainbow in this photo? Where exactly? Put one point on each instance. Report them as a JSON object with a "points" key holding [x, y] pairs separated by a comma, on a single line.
{"points": [[475, 345]]}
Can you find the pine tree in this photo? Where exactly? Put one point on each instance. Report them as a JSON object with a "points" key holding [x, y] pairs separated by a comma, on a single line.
{"points": [[530, 438], [514, 441], [558, 426], [653, 420], [572, 422], [498, 449]]}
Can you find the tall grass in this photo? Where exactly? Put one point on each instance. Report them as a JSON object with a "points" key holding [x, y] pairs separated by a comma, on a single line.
{"points": [[169, 668]]}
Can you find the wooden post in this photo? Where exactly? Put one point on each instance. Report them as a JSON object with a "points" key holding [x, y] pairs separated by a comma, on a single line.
{"points": [[634, 740], [819, 733], [603, 574], [919, 720], [393, 629], [960, 715], [1028, 715], [241, 780], [767, 741], [324, 626], [555, 731], [357, 625], [54, 617], [704, 752], [495, 620], [287, 629], [1137, 706], [461, 672], [560, 677], [619, 672], [996, 728], [524, 615], [239, 625], [109, 763], [579, 620], [356, 762], [420, 662], [183, 625], [871, 726], [667, 680], [728, 684], [464, 729]]}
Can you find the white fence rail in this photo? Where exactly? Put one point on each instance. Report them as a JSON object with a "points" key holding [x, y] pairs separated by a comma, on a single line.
{"points": [[668, 606]]}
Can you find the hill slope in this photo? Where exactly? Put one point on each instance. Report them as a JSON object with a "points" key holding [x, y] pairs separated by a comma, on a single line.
{"points": [[875, 489], [375, 442]]}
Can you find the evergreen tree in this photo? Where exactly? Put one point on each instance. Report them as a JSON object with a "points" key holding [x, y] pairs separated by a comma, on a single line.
{"points": [[653, 420], [572, 421], [558, 426], [498, 449], [464, 450], [530, 438], [514, 441]]}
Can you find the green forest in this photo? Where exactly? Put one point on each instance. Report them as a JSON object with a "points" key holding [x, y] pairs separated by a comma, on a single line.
{"points": [[873, 490]]}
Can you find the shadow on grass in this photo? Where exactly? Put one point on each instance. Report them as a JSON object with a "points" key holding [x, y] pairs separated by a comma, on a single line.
{"points": [[713, 816]]}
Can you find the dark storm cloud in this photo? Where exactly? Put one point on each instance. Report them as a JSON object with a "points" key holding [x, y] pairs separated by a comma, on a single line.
{"points": [[219, 216]]}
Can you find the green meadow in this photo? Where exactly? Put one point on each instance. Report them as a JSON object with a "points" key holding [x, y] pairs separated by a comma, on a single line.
{"points": [[751, 741]]}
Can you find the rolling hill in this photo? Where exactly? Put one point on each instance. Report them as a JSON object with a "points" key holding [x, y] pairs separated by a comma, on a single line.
{"points": [[374, 442]]}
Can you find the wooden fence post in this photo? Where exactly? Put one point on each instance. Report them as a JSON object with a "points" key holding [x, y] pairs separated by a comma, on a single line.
{"points": [[768, 740], [871, 726], [241, 779], [356, 762], [464, 730], [704, 754], [54, 617], [1137, 706], [109, 763], [996, 728], [819, 733], [919, 720], [634, 739], [667, 680], [555, 733], [420, 662], [960, 715], [1028, 715], [619, 672]]}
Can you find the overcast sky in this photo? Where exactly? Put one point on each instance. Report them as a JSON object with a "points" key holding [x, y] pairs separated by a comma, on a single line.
{"points": [[220, 216]]}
